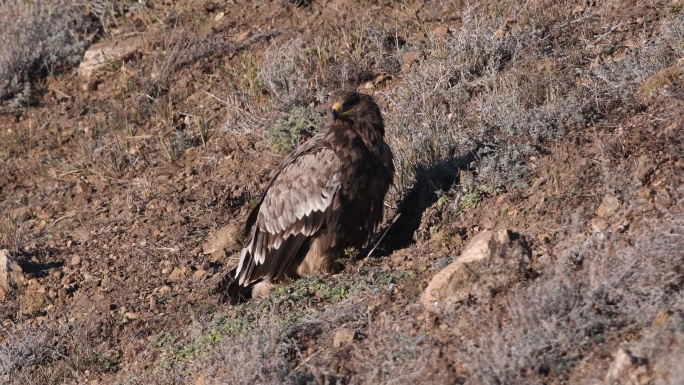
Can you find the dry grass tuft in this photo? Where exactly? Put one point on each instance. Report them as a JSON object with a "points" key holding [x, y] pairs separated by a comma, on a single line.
{"points": [[464, 98], [298, 73], [590, 293], [63, 351], [619, 79], [37, 38]]}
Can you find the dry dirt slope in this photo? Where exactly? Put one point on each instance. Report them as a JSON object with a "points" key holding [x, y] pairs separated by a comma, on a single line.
{"points": [[559, 121]]}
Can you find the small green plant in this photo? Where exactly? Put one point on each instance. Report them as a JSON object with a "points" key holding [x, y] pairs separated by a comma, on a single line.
{"points": [[442, 263], [611, 49], [161, 340], [112, 65], [185, 352], [286, 133], [203, 130], [254, 201], [351, 252], [239, 326], [470, 198], [489, 189], [442, 198], [473, 195], [108, 365], [213, 336], [313, 289]]}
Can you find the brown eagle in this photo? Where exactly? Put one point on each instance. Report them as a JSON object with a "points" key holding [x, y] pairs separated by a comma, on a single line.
{"points": [[326, 196]]}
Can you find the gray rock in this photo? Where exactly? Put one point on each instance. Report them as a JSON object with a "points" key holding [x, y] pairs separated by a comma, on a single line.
{"points": [[11, 275], [98, 55], [223, 238], [609, 205], [343, 337], [492, 260], [627, 368]]}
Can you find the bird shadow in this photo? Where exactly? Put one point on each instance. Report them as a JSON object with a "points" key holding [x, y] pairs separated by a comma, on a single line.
{"points": [[440, 176]]}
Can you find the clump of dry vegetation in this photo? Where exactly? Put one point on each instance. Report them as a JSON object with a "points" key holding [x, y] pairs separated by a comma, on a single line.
{"points": [[38, 37], [470, 99], [588, 294], [296, 73], [64, 349]]}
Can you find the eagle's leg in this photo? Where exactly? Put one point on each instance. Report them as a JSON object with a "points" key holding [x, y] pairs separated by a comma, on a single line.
{"points": [[261, 289], [319, 259]]}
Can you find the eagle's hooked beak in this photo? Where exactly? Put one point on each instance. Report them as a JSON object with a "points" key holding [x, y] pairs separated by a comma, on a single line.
{"points": [[337, 110]]}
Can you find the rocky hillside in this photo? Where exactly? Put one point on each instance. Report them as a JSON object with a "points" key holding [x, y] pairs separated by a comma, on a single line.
{"points": [[534, 233]]}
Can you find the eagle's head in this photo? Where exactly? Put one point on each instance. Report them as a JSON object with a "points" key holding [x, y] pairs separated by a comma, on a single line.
{"points": [[356, 109]]}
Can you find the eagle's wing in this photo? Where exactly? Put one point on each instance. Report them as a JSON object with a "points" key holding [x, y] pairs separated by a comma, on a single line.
{"points": [[292, 208]]}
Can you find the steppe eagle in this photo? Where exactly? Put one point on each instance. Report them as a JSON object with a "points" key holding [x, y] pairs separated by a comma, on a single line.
{"points": [[326, 196]]}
